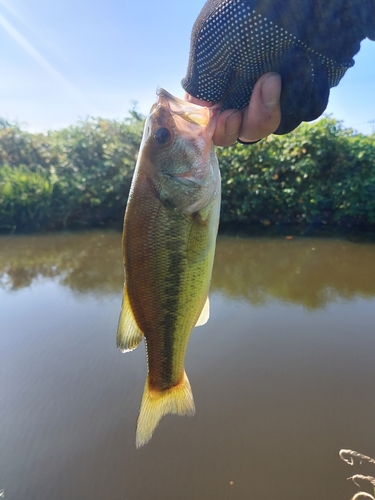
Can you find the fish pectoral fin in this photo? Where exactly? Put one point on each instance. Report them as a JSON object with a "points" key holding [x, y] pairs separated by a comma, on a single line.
{"points": [[128, 333], [205, 314], [155, 404]]}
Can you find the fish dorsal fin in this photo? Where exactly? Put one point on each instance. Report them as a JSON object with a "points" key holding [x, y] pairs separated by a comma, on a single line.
{"points": [[205, 314], [128, 333]]}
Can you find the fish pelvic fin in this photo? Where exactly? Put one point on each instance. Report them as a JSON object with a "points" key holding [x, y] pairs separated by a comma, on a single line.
{"points": [[205, 314], [155, 404], [128, 333]]}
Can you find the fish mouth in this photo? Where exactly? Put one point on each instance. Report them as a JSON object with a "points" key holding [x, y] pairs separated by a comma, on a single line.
{"points": [[186, 179], [193, 113]]}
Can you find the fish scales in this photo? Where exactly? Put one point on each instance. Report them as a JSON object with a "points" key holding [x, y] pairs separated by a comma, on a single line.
{"points": [[169, 237], [160, 305]]}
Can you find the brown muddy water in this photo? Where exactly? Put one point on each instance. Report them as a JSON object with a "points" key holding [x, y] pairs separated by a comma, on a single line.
{"points": [[283, 375]]}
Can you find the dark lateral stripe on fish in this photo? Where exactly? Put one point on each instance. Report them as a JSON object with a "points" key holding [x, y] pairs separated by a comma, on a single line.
{"points": [[175, 260], [170, 297]]}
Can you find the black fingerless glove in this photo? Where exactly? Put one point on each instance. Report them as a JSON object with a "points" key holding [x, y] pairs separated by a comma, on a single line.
{"points": [[310, 43]]}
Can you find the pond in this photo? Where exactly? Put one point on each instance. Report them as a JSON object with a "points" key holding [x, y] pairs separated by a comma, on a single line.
{"points": [[283, 374]]}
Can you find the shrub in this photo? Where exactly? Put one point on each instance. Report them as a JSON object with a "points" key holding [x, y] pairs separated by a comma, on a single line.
{"points": [[25, 198], [78, 176], [95, 163], [319, 174]]}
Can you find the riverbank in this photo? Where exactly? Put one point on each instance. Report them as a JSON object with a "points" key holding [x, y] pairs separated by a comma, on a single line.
{"points": [[317, 177]]}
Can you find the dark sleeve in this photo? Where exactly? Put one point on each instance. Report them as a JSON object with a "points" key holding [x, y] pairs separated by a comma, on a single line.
{"points": [[311, 43]]}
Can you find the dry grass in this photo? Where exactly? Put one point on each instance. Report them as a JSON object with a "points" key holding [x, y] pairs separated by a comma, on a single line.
{"points": [[352, 457]]}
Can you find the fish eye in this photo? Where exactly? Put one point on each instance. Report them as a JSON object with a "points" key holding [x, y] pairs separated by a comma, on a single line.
{"points": [[162, 135]]}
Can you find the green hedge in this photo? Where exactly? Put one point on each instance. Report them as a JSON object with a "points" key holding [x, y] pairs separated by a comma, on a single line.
{"points": [[78, 176], [319, 175]]}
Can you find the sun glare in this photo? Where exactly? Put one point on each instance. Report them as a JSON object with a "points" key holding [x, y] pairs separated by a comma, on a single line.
{"points": [[34, 53]]}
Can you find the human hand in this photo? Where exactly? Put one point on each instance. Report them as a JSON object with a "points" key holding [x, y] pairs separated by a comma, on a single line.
{"points": [[258, 119], [309, 44]]}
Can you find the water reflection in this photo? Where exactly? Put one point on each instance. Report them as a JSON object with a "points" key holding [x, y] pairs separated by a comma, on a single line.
{"points": [[307, 271], [86, 261], [279, 387]]}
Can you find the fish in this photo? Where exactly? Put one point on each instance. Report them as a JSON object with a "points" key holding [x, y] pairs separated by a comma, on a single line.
{"points": [[169, 237]]}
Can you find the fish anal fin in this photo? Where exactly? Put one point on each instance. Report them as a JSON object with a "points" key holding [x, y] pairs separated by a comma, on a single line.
{"points": [[205, 314], [155, 404], [128, 333]]}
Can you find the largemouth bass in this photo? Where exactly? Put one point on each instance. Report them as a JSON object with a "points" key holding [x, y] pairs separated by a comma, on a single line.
{"points": [[169, 238]]}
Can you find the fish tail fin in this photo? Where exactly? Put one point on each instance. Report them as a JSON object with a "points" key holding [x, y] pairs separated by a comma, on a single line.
{"points": [[155, 404]]}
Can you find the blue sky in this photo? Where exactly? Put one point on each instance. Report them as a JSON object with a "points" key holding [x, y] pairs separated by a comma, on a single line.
{"points": [[63, 60]]}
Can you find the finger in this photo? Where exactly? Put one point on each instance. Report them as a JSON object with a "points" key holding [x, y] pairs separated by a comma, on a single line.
{"points": [[227, 127], [262, 116]]}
